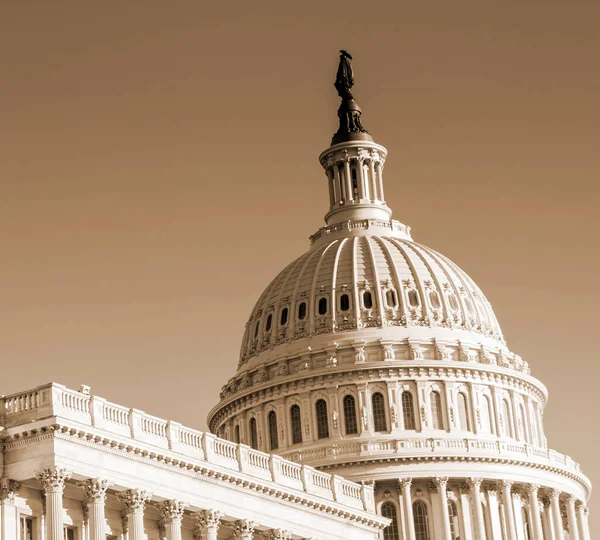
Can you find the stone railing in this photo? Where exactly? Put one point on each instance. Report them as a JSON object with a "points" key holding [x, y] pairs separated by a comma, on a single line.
{"points": [[415, 447], [351, 225], [55, 400]]}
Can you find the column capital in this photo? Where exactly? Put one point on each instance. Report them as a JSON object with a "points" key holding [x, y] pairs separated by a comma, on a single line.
{"points": [[134, 500], [532, 489], [506, 486], [207, 520], [95, 489], [570, 499], [491, 492], [441, 481], [463, 488], [579, 504], [171, 511], [243, 529], [278, 534], [53, 479], [555, 493], [474, 482], [405, 483], [8, 489]]}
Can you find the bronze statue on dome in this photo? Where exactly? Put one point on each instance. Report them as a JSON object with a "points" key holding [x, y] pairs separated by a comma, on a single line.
{"points": [[344, 79]]}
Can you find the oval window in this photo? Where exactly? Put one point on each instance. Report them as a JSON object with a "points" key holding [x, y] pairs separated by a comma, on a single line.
{"points": [[434, 299], [302, 311], [269, 322], [344, 302], [390, 298], [367, 300], [469, 305], [284, 316], [453, 302], [322, 306], [413, 298]]}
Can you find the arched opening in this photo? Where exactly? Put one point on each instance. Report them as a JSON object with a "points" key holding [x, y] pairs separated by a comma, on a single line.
{"points": [[437, 414], [367, 300], [413, 298], [379, 418], [420, 521], [463, 412], [322, 306], [486, 415], [253, 434], [302, 311], [408, 410], [284, 316], [350, 421], [390, 298], [388, 510], [453, 519], [256, 329], [237, 434], [506, 420], [273, 440], [296, 422], [344, 302], [322, 420], [269, 322], [523, 424]]}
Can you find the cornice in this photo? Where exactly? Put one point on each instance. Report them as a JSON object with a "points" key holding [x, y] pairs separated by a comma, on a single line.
{"points": [[167, 460]]}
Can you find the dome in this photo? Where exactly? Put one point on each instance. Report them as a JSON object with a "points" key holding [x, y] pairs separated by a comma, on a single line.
{"points": [[369, 281]]}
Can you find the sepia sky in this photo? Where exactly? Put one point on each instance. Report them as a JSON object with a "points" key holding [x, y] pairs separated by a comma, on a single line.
{"points": [[158, 167]]}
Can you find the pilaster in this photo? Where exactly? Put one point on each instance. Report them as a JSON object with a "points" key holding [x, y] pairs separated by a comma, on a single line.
{"points": [[9, 515]]}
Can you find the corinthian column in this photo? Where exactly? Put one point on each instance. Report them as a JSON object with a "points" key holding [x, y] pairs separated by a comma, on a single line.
{"points": [[534, 505], [442, 484], [557, 523], [509, 509], [405, 484], [207, 524], [278, 534], [582, 513], [135, 501], [243, 529], [53, 482], [475, 485], [95, 496], [9, 515], [572, 518], [172, 512]]}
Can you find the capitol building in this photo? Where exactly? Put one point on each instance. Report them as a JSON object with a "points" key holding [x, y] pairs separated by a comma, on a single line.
{"points": [[375, 397]]}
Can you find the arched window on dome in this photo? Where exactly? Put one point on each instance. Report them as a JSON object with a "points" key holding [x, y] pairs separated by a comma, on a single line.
{"points": [[534, 426], [420, 520], [256, 329], [296, 423], [437, 413], [350, 421], [284, 316], [453, 302], [323, 306], [302, 311], [367, 300], [506, 419], [344, 302], [408, 410], [269, 322], [413, 298], [469, 305], [391, 299], [253, 434], [388, 510], [454, 521], [322, 420], [523, 424], [237, 434], [486, 415], [464, 421], [434, 299], [379, 419], [273, 440]]}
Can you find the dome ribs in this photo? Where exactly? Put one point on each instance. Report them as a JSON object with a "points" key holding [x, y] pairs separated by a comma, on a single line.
{"points": [[334, 287], [313, 290], [373, 259], [396, 281]]}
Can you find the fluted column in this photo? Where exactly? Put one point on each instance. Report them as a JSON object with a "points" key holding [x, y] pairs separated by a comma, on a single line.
{"points": [[339, 185], [441, 483], [475, 485], [171, 514], [53, 482], [243, 529], [372, 177], [405, 484], [207, 523], [95, 497], [582, 515], [348, 180], [380, 181], [362, 191], [536, 518], [509, 509], [9, 515], [572, 518], [135, 501], [557, 524]]}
